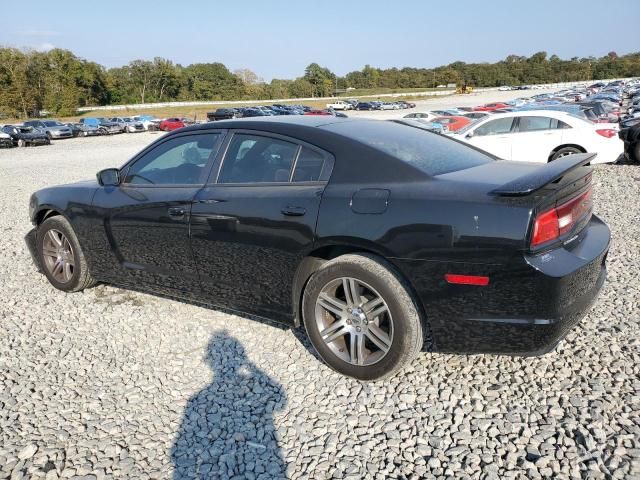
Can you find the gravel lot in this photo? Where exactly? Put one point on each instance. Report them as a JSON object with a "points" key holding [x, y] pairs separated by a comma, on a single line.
{"points": [[111, 383]]}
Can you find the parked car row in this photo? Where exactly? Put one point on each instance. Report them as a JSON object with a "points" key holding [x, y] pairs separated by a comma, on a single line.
{"points": [[41, 132], [630, 122], [231, 113], [377, 105], [548, 126]]}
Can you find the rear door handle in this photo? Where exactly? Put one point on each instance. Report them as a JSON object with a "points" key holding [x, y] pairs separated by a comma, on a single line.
{"points": [[294, 211], [177, 212]]}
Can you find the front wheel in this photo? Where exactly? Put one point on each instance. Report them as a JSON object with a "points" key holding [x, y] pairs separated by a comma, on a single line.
{"points": [[61, 257], [22, 143], [361, 318]]}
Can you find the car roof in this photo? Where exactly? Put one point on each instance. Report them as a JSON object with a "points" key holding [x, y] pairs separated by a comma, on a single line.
{"points": [[355, 160], [530, 113], [267, 123]]}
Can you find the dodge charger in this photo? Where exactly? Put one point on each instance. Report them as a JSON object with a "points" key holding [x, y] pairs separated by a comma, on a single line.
{"points": [[378, 238]]}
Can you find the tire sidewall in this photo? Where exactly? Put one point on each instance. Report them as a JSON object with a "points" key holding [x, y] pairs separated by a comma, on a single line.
{"points": [[572, 150], [396, 298], [61, 225]]}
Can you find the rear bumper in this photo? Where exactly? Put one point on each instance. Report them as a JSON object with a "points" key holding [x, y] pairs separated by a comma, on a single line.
{"points": [[528, 307]]}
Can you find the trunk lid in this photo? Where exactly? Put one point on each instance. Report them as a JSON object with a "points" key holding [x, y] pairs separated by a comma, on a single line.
{"points": [[560, 186]]}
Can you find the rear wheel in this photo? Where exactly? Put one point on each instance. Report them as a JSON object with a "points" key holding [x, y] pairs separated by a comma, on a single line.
{"points": [[563, 152], [361, 317], [61, 257]]}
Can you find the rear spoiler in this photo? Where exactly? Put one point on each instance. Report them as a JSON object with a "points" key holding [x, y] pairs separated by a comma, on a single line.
{"points": [[543, 176]]}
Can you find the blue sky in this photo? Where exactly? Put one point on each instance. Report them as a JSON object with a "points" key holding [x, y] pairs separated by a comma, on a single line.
{"points": [[278, 38]]}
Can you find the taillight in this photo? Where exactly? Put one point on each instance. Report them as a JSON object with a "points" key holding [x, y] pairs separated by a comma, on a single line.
{"points": [[606, 132], [555, 222], [545, 228]]}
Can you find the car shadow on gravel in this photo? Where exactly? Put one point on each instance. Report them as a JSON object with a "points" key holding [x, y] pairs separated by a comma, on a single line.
{"points": [[299, 332], [227, 430]]}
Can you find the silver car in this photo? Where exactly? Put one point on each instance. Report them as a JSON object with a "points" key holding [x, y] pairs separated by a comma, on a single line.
{"points": [[52, 128], [129, 124]]}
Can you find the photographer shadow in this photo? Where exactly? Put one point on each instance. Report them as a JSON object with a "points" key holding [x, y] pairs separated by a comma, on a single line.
{"points": [[227, 430]]}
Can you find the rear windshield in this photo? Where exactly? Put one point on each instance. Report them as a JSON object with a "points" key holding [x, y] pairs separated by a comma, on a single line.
{"points": [[432, 153]]}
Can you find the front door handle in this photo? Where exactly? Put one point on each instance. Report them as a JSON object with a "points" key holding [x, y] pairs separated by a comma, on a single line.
{"points": [[177, 212], [294, 211]]}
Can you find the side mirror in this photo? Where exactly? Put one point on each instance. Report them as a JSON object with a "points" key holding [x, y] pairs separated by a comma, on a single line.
{"points": [[469, 135], [109, 177]]}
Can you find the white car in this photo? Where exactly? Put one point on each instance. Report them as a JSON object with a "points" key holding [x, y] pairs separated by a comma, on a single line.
{"points": [[541, 136], [340, 105]]}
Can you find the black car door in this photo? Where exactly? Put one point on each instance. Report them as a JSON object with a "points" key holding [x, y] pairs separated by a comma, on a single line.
{"points": [[146, 218], [255, 221]]}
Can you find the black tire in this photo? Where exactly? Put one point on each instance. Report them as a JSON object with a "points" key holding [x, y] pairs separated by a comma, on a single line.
{"points": [[407, 339], [636, 152], [563, 152], [81, 276]]}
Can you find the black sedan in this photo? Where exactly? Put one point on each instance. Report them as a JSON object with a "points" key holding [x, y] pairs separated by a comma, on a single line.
{"points": [[631, 138], [373, 235], [26, 136], [222, 114]]}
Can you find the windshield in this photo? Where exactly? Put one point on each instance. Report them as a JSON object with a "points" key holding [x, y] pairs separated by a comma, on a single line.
{"points": [[127, 119], [51, 123], [431, 153]]}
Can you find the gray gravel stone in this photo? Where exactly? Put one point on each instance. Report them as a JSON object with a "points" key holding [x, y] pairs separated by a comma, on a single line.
{"points": [[112, 383]]}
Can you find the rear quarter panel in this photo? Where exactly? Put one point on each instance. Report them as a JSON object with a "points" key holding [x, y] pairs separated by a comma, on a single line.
{"points": [[427, 220]]}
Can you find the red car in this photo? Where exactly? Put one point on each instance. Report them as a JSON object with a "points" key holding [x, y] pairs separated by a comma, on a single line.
{"points": [[490, 107], [452, 123], [169, 124], [318, 112]]}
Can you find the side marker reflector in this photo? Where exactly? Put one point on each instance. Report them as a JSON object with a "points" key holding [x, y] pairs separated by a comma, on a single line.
{"points": [[466, 279]]}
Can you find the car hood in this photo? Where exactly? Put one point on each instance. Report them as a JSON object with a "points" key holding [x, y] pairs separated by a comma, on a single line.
{"points": [[59, 128]]}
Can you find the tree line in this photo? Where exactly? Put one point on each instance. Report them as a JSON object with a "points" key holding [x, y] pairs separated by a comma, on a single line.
{"points": [[59, 82]]}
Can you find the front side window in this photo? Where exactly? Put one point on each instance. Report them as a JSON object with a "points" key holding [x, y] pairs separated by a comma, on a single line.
{"points": [[498, 126], [178, 161], [257, 159]]}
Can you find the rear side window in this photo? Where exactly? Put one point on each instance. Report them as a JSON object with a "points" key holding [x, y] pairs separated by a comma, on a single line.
{"points": [[429, 152], [257, 159], [498, 126], [533, 124], [308, 166]]}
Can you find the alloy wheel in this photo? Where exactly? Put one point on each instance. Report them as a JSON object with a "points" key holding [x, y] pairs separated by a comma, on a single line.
{"points": [[354, 321], [58, 256]]}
